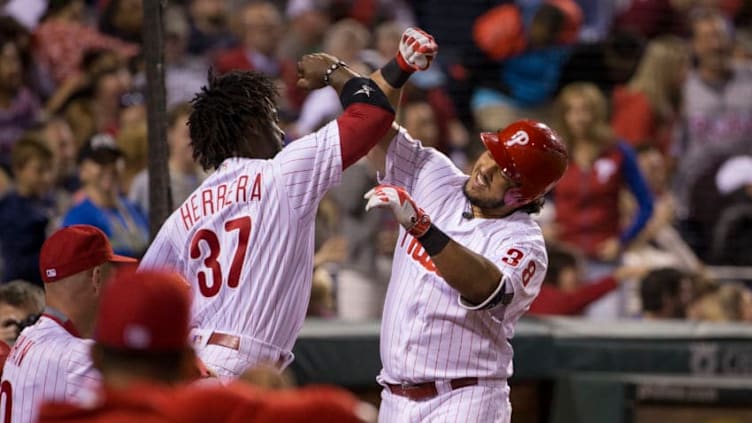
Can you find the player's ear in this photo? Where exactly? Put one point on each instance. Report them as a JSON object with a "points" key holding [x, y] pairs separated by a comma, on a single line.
{"points": [[97, 279]]}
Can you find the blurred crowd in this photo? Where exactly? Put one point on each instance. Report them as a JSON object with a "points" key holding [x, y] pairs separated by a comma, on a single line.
{"points": [[653, 100]]}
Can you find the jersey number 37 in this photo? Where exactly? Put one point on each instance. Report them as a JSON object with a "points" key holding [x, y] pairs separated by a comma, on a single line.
{"points": [[242, 226]]}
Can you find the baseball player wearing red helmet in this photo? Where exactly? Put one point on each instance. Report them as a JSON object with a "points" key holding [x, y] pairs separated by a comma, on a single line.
{"points": [[468, 263]]}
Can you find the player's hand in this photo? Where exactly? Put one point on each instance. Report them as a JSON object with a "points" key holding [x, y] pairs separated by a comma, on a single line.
{"points": [[417, 49], [312, 68], [408, 214]]}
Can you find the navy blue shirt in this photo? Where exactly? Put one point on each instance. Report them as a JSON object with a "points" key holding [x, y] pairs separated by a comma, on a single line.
{"points": [[23, 229]]}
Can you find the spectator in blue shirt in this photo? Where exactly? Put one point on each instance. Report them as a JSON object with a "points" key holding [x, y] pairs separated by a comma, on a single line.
{"points": [[101, 164]]}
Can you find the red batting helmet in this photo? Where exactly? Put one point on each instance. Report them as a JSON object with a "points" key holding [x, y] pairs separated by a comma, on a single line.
{"points": [[531, 155]]}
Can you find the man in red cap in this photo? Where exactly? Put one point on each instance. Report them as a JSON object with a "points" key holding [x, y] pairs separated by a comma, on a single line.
{"points": [[50, 360], [142, 351]]}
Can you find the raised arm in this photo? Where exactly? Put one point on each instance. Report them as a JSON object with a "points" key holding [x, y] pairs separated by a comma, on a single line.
{"points": [[417, 50], [367, 113]]}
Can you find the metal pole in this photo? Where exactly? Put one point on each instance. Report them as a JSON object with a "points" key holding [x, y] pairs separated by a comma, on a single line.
{"points": [[160, 195]]}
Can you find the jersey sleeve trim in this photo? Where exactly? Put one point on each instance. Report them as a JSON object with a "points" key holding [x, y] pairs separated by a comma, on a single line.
{"points": [[499, 296]]}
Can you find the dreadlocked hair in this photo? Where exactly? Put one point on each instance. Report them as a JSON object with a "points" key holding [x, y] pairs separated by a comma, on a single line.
{"points": [[227, 112]]}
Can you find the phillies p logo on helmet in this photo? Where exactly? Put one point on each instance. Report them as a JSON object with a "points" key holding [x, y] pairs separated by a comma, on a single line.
{"points": [[519, 138]]}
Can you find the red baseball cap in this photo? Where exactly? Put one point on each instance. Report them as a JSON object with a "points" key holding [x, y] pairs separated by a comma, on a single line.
{"points": [[144, 311], [74, 249]]}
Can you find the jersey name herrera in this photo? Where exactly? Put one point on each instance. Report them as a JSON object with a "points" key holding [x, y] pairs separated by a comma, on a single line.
{"points": [[212, 199]]}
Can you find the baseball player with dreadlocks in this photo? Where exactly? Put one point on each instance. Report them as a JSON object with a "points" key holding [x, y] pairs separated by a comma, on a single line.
{"points": [[244, 238], [468, 262]]}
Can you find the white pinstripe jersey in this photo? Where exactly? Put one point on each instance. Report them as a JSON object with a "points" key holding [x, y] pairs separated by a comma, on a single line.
{"points": [[244, 239], [425, 334], [47, 363]]}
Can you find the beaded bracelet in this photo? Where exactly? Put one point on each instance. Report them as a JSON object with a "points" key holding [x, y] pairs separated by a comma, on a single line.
{"points": [[332, 69]]}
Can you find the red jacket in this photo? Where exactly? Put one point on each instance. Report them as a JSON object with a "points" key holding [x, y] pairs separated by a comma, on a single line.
{"points": [[551, 300], [587, 202], [235, 403]]}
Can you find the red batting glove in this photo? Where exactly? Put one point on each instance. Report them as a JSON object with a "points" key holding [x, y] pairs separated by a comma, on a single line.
{"points": [[417, 49], [408, 214]]}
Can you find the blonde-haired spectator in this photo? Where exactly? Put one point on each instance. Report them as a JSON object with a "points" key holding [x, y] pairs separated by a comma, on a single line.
{"points": [[646, 108], [586, 199]]}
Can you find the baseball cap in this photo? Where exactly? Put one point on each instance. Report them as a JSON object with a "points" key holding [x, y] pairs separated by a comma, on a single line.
{"points": [[101, 148], [145, 311], [74, 249], [735, 173]]}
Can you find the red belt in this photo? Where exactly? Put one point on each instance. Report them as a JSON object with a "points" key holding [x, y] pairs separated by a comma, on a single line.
{"points": [[427, 390], [233, 342], [228, 341]]}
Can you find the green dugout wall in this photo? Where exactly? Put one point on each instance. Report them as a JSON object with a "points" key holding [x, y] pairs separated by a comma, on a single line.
{"points": [[621, 371]]}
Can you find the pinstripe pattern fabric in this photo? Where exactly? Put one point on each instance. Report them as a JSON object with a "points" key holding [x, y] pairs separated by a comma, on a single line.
{"points": [[47, 364], [270, 300], [425, 334]]}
